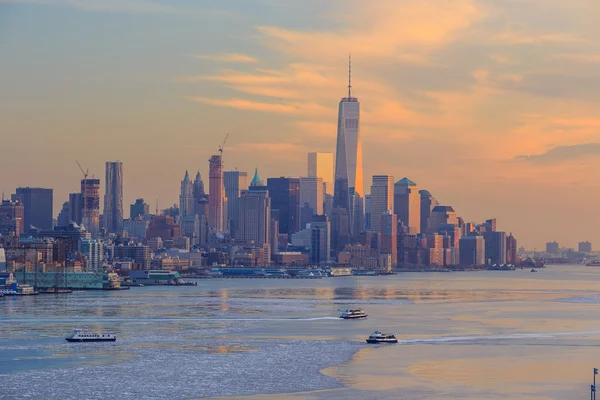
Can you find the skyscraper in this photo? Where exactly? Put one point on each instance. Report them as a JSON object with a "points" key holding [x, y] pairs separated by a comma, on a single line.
{"points": [[93, 250], [90, 192], [186, 197], [12, 215], [320, 245], [511, 250], [76, 207], [139, 208], [37, 207], [382, 199], [235, 182], [472, 250], [320, 165], [495, 247], [63, 216], [388, 236], [407, 204], [311, 192], [285, 197], [255, 213], [348, 186], [113, 197], [441, 215], [216, 195], [427, 204]]}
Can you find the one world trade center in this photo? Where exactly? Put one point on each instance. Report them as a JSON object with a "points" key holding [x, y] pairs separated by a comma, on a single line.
{"points": [[348, 190]]}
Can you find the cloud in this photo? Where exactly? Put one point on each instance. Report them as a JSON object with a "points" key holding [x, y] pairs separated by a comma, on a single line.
{"points": [[581, 58], [285, 108], [512, 37], [112, 6], [227, 58], [563, 153]]}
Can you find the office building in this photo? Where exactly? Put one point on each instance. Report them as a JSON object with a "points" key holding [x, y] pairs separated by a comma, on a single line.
{"points": [[90, 193], [37, 207], [285, 197], [382, 199], [495, 247], [63, 215], [139, 254], [368, 212], [200, 197], [216, 195], [320, 244], [163, 226], [186, 197], [255, 213], [428, 202], [76, 208], [311, 193], [511, 250], [585, 247], [138, 209], [12, 217], [348, 185], [407, 204], [552, 248], [113, 197], [190, 228], [320, 165], [136, 228], [387, 238], [441, 215], [235, 182], [340, 231], [472, 251], [92, 249]]}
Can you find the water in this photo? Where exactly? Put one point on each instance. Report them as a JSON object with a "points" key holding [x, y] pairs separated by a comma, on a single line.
{"points": [[476, 335]]}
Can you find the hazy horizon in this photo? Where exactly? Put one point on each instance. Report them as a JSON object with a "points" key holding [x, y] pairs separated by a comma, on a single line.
{"points": [[488, 106]]}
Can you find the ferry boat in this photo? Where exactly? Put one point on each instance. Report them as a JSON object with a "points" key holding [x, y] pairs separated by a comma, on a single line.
{"points": [[533, 270], [80, 335], [378, 337], [353, 314]]}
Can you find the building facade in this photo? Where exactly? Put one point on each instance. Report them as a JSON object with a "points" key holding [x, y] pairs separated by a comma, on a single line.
{"points": [[320, 165], [320, 244], [407, 204], [388, 236], [216, 195], [255, 213], [93, 250], [311, 193], [428, 202], [285, 197], [235, 182], [113, 197], [472, 251], [382, 199], [37, 207], [90, 193], [186, 197]]}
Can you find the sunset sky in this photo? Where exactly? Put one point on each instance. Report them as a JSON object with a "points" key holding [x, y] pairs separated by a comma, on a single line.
{"points": [[492, 105]]}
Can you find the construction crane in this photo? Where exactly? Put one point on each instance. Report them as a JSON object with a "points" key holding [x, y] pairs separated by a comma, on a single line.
{"points": [[85, 175], [222, 146]]}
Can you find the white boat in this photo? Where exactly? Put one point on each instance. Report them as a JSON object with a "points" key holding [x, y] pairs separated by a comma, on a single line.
{"points": [[353, 314], [80, 335], [378, 337], [8, 292]]}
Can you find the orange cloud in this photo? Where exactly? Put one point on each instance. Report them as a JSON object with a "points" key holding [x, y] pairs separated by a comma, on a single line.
{"points": [[227, 58]]}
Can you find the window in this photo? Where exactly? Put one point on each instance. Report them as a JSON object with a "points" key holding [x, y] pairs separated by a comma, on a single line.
{"points": [[351, 123]]}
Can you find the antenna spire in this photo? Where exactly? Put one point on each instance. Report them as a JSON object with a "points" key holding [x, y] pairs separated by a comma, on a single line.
{"points": [[349, 75]]}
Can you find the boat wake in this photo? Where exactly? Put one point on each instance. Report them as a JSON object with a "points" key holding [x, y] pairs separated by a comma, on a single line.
{"points": [[514, 336]]}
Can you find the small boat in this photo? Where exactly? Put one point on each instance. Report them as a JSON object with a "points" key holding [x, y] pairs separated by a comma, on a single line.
{"points": [[80, 335], [378, 337], [353, 314], [533, 270], [593, 264]]}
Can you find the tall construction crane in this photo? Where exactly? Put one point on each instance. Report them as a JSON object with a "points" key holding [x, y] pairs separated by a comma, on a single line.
{"points": [[222, 146], [85, 175]]}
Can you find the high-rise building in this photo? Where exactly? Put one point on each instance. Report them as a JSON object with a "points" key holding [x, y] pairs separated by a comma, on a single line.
{"points": [[76, 208], [37, 207], [12, 215], [320, 165], [407, 204], [186, 197], [340, 231], [90, 192], [320, 245], [511, 250], [285, 197], [367, 212], [140, 254], [552, 248], [113, 197], [472, 250], [190, 228], [200, 198], [495, 247], [382, 199], [63, 215], [311, 193], [92, 249], [138, 209], [388, 236], [441, 215], [163, 226], [427, 204], [235, 182], [216, 195], [348, 185], [255, 213], [585, 247]]}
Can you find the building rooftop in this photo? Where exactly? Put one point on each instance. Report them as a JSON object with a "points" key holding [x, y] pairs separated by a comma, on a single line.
{"points": [[424, 192], [406, 181], [442, 209], [256, 180]]}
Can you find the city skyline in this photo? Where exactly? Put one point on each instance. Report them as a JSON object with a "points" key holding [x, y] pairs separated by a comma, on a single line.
{"points": [[493, 132]]}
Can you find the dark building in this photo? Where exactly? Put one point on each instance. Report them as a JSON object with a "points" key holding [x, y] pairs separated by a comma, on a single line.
{"points": [[75, 207], [285, 197], [69, 236], [138, 209], [37, 207], [552, 247], [12, 214], [472, 250], [495, 247], [511, 250], [139, 254], [427, 204], [163, 226], [340, 230], [320, 251], [585, 247], [113, 197]]}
